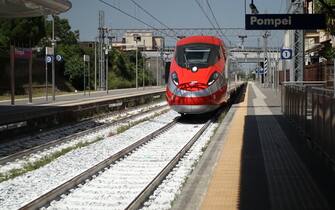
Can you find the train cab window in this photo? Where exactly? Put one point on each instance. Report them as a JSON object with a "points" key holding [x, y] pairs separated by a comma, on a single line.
{"points": [[197, 54]]}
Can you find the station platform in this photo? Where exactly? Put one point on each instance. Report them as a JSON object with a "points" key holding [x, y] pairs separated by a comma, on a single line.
{"points": [[251, 162], [24, 117]]}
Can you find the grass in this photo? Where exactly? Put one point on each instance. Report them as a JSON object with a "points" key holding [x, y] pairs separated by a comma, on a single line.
{"points": [[43, 161], [31, 166], [48, 159], [35, 94]]}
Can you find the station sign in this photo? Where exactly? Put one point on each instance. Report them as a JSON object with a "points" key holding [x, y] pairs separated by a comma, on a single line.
{"points": [[49, 58], [259, 70], [285, 21], [23, 53], [286, 54], [59, 58], [86, 58], [49, 51]]}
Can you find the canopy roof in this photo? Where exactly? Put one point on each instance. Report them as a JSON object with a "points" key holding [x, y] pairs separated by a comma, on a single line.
{"points": [[32, 8]]}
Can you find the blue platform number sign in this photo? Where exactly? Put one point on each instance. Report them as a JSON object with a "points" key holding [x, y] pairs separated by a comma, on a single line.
{"points": [[286, 54], [48, 59], [59, 58]]}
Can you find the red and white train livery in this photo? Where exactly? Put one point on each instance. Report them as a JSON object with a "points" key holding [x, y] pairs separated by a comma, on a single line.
{"points": [[197, 82]]}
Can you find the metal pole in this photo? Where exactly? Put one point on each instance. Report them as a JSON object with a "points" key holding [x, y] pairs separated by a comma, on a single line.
{"points": [[12, 74], [157, 70], [136, 66], [258, 66], [84, 78], [284, 68], [227, 66], [107, 70], [334, 77], [89, 81], [265, 36], [161, 67], [271, 69], [46, 78], [30, 77], [53, 58], [277, 73], [101, 63], [143, 65], [95, 64], [143, 71]]}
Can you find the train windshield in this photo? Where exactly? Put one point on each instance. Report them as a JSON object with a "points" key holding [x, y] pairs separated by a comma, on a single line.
{"points": [[199, 55]]}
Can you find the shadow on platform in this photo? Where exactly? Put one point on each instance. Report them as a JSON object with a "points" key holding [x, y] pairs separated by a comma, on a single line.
{"points": [[254, 185]]}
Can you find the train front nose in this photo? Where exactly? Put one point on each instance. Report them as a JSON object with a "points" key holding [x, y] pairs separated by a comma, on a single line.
{"points": [[190, 99]]}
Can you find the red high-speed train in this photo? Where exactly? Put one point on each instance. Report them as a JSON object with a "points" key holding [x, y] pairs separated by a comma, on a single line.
{"points": [[197, 82]]}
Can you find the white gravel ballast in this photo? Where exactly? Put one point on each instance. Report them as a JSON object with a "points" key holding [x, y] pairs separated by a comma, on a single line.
{"points": [[101, 133], [23, 189], [168, 191], [119, 185]]}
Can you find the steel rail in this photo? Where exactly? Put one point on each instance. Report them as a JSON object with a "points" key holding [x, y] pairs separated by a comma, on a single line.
{"points": [[27, 152], [72, 183], [150, 188]]}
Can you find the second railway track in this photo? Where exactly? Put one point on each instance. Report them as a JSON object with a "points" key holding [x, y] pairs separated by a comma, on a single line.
{"points": [[85, 131]]}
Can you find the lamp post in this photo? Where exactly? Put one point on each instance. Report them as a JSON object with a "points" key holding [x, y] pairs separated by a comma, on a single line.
{"points": [[53, 59], [265, 39], [137, 38], [46, 76], [334, 77], [87, 59], [157, 68], [106, 53], [84, 76], [95, 63]]}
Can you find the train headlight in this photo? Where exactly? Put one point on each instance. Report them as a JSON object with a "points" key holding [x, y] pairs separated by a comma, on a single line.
{"points": [[213, 78], [174, 78]]}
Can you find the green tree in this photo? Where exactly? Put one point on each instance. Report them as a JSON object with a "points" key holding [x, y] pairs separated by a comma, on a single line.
{"points": [[67, 46], [326, 7], [73, 65], [21, 32], [63, 32], [24, 31]]}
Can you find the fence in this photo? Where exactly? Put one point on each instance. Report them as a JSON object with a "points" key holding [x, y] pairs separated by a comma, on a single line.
{"points": [[312, 108]]}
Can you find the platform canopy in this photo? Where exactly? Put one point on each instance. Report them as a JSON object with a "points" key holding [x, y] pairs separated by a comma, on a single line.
{"points": [[32, 8]]}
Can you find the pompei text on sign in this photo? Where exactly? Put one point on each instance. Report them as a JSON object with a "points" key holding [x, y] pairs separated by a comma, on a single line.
{"points": [[284, 21]]}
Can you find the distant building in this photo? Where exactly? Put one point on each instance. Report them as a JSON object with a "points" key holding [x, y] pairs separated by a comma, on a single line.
{"points": [[86, 44], [315, 40], [143, 40]]}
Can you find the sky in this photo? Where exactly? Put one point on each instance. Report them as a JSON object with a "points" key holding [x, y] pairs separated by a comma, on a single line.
{"points": [[175, 13]]}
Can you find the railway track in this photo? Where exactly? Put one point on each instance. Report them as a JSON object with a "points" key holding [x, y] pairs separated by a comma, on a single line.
{"points": [[126, 179], [61, 136]]}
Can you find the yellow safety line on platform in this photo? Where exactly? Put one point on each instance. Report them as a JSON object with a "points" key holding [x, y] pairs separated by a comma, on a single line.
{"points": [[224, 187]]}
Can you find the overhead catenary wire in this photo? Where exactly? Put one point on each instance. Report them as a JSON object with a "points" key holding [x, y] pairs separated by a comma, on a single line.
{"points": [[217, 23], [135, 18], [209, 20], [148, 13]]}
